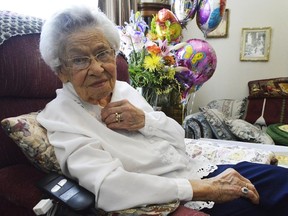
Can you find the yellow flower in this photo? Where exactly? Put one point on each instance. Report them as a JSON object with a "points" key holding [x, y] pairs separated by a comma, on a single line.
{"points": [[153, 63]]}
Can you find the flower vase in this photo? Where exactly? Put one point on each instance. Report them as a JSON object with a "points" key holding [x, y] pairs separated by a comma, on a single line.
{"points": [[161, 101], [170, 104], [157, 101]]}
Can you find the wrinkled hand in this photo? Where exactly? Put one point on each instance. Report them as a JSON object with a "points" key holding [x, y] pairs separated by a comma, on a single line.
{"points": [[123, 115], [224, 187]]}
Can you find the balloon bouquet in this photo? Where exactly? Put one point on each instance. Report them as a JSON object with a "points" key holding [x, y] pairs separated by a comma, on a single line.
{"points": [[196, 56]]}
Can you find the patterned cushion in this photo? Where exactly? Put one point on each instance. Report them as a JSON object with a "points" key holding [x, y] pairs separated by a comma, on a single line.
{"points": [[31, 137], [229, 107], [196, 126], [275, 88], [215, 118], [245, 131], [159, 209], [16, 24]]}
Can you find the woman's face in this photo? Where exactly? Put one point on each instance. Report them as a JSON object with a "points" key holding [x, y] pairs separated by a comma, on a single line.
{"points": [[90, 65]]}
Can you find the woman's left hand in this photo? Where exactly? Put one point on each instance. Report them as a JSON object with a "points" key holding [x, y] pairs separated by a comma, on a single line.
{"points": [[123, 115], [224, 187]]}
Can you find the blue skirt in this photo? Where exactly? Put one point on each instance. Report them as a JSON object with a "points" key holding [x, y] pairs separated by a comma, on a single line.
{"points": [[271, 183]]}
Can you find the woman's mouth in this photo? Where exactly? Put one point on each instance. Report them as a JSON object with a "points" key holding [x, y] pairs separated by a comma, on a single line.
{"points": [[98, 83]]}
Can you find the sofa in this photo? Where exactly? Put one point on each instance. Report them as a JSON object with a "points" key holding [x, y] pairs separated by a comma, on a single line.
{"points": [[26, 86], [261, 117]]}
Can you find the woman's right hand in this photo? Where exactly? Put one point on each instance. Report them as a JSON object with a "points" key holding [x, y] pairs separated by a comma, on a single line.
{"points": [[224, 187], [131, 118]]}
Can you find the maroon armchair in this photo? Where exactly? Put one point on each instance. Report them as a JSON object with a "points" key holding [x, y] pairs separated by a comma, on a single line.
{"points": [[26, 85]]}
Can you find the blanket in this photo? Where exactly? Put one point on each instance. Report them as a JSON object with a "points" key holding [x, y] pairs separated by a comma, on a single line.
{"points": [[12, 24]]}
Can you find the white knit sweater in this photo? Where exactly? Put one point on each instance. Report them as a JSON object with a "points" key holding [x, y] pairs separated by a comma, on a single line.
{"points": [[123, 169]]}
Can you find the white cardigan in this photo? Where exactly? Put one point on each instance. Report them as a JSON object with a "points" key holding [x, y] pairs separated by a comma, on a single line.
{"points": [[123, 169]]}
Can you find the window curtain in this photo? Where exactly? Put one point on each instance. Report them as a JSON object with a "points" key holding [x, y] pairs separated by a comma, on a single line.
{"points": [[118, 10]]}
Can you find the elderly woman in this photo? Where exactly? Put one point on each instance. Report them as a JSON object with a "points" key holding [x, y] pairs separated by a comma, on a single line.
{"points": [[108, 138]]}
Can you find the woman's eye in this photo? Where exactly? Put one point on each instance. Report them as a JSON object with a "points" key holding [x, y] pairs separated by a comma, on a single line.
{"points": [[103, 55], [80, 60]]}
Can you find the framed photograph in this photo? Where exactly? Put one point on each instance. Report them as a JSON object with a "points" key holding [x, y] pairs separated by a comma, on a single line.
{"points": [[255, 44], [222, 29]]}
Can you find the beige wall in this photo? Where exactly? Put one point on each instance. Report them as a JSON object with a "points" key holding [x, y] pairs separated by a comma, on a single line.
{"points": [[232, 75]]}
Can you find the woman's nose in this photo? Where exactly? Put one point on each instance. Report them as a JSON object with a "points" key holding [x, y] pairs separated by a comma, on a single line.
{"points": [[95, 66]]}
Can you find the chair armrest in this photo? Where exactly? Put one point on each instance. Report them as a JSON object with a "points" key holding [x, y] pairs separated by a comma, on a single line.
{"points": [[18, 185]]}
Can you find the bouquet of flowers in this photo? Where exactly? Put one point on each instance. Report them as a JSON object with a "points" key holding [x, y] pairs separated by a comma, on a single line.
{"points": [[160, 64], [150, 51]]}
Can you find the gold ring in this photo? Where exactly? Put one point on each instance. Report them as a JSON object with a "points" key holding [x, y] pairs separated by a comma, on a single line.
{"points": [[117, 117]]}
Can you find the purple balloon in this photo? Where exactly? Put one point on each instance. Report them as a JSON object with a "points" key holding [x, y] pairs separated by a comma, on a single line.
{"points": [[203, 12], [188, 82], [200, 58]]}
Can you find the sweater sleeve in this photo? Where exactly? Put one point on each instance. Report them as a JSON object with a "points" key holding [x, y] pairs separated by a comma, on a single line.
{"points": [[157, 124]]}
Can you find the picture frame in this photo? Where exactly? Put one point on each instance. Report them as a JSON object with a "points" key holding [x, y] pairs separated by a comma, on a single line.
{"points": [[222, 29], [255, 44]]}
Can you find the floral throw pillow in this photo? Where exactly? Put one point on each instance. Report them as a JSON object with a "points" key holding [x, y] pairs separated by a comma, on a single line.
{"points": [[245, 131], [31, 137], [216, 119], [229, 107], [153, 210]]}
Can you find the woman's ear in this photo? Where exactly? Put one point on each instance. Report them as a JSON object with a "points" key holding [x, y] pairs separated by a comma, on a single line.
{"points": [[63, 76]]}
